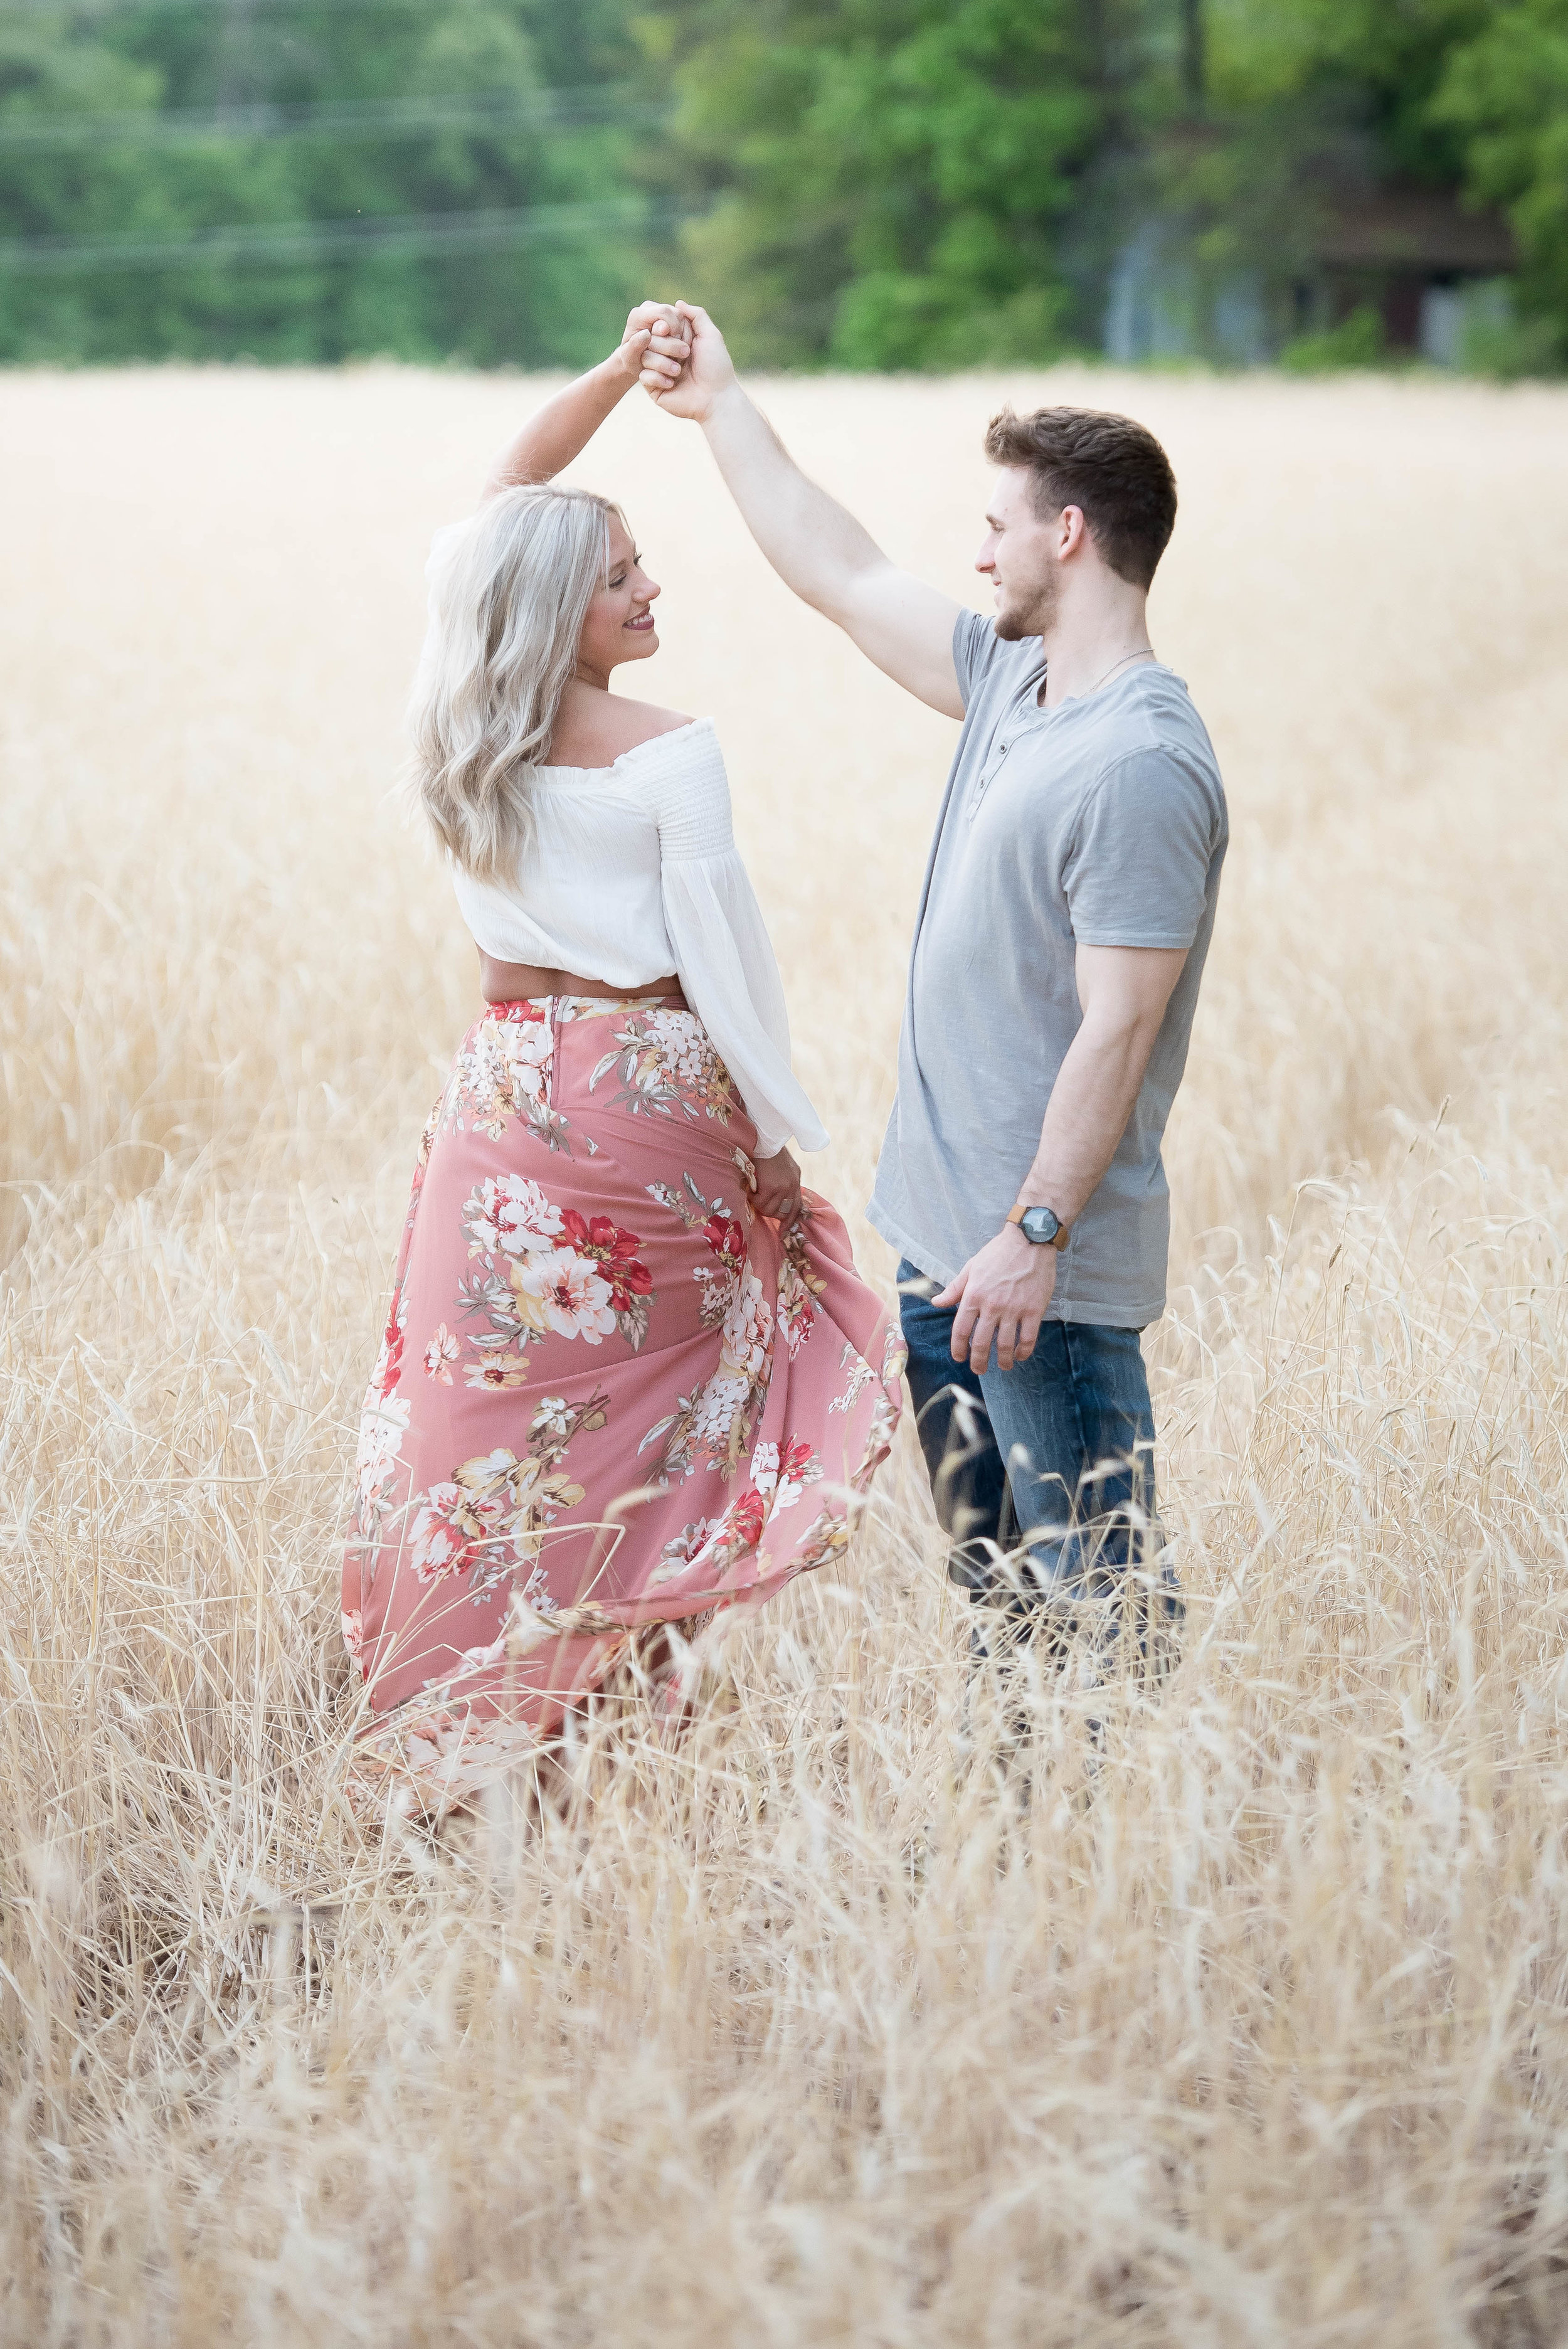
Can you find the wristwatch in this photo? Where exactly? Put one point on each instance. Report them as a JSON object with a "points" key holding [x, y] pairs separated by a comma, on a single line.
{"points": [[1041, 1225]]}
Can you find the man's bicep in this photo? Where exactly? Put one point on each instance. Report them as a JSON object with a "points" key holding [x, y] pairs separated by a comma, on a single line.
{"points": [[1138, 873], [906, 628], [1136, 982]]}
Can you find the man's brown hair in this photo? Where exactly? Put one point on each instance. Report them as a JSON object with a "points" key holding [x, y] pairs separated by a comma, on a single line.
{"points": [[1113, 469]]}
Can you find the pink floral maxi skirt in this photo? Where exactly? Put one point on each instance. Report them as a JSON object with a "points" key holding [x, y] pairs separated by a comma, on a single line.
{"points": [[608, 1396]]}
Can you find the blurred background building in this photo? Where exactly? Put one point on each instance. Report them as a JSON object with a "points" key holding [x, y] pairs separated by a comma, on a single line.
{"points": [[861, 183]]}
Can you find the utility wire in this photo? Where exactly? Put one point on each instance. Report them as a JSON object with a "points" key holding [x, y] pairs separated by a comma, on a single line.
{"points": [[397, 233], [352, 119], [104, 10]]}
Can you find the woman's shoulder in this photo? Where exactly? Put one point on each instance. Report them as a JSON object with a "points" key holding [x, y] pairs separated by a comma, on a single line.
{"points": [[613, 729]]}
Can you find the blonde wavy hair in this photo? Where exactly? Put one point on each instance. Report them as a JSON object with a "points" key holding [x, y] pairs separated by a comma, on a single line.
{"points": [[508, 610]]}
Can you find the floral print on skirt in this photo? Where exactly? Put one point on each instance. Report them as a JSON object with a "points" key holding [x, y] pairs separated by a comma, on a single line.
{"points": [[608, 1396]]}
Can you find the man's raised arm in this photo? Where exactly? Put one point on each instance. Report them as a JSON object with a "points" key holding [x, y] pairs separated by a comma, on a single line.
{"points": [[816, 547]]}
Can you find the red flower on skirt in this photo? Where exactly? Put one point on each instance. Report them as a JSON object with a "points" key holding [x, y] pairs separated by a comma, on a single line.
{"points": [[391, 1352], [726, 1238], [615, 1251]]}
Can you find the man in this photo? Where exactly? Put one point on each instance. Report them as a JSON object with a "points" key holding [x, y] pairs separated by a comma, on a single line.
{"points": [[1067, 906]]}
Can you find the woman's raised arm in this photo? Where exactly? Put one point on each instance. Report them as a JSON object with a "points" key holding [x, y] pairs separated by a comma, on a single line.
{"points": [[563, 427]]}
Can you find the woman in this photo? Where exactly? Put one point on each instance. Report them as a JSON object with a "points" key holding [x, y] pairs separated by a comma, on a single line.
{"points": [[629, 1377]]}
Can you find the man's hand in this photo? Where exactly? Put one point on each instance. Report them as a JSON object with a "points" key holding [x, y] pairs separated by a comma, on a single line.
{"points": [[686, 383], [1000, 1297], [777, 1190]]}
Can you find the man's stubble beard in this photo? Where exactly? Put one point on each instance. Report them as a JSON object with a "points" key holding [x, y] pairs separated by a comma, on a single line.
{"points": [[1035, 616]]}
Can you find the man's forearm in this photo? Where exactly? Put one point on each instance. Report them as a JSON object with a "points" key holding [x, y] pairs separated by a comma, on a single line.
{"points": [[1086, 1117], [814, 544]]}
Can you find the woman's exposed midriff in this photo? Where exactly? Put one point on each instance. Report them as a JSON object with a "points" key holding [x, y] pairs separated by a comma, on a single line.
{"points": [[518, 982]]}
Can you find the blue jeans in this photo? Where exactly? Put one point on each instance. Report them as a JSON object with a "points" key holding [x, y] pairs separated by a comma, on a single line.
{"points": [[1060, 1449]]}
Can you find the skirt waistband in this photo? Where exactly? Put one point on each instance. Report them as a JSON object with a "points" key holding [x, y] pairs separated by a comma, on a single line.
{"points": [[576, 1007]]}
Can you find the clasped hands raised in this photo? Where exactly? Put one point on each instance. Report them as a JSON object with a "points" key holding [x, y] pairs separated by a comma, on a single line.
{"points": [[678, 354]]}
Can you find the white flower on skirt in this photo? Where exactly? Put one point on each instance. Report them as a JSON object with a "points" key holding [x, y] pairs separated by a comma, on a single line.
{"points": [[683, 1046], [508, 1214], [785, 1472], [748, 1331], [568, 1295], [527, 1043], [536, 1593], [552, 1417], [440, 1354], [382, 1427], [437, 1544], [679, 1554]]}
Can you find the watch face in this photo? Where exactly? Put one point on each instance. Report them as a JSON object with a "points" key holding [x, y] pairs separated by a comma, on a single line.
{"points": [[1041, 1225]]}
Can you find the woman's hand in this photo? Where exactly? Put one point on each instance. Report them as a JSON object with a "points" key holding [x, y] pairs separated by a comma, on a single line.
{"points": [[656, 342], [705, 374], [776, 1192]]}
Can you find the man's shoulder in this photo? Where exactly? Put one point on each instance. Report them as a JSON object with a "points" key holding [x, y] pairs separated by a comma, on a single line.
{"points": [[1159, 718]]}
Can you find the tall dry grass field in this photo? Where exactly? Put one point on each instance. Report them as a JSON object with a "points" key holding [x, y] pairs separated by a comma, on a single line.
{"points": [[1241, 2018]]}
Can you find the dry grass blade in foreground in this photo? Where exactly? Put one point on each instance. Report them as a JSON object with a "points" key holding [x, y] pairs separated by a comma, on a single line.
{"points": [[1245, 2021]]}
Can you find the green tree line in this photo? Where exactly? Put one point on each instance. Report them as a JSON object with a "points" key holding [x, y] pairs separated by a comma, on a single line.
{"points": [[864, 183]]}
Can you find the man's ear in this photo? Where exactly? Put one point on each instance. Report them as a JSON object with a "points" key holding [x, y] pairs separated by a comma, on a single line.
{"points": [[1073, 532]]}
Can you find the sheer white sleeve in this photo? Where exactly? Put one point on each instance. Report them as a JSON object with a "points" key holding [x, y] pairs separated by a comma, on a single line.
{"points": [[722, 949]]}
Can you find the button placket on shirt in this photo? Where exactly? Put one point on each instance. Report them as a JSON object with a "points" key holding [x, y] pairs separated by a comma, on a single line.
{"points": [[988, 774], [1013, 725]]}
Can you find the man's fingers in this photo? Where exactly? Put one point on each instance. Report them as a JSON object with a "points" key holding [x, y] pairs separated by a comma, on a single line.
{"points": [[981, 1344], [973, 1325]]}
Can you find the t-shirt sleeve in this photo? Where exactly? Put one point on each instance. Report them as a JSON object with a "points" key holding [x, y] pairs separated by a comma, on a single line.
{"points": [[1137, 870], [974, 647]]}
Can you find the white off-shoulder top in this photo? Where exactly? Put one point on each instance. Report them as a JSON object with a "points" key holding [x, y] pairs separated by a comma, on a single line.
{"points": [[633, 874]]}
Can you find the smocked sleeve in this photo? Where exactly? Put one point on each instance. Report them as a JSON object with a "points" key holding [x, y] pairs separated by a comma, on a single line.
{"points": [[722, 945]]}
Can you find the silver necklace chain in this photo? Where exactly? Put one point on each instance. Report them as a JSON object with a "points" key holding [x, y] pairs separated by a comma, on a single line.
{"points": [[1144, 652]]}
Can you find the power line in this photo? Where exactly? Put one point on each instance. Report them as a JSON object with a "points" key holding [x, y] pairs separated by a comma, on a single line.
{"points": [[402, 234], [377, 119], [100, 10]]}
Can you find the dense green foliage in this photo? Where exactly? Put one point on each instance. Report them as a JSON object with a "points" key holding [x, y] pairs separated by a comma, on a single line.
{"points": [[895, 182], [924, 182], [160, 171], [865, 182], [1504, 93]]}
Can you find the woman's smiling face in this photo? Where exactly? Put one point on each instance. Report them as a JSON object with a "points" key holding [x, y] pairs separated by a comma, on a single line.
{"points": [[620, 622]]}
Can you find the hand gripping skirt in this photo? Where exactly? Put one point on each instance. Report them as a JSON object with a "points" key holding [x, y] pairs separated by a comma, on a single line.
{"points": [[609, 1396]]}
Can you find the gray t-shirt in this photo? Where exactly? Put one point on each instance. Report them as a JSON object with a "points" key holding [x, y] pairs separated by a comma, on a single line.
{"points": [[1100, 823]]}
